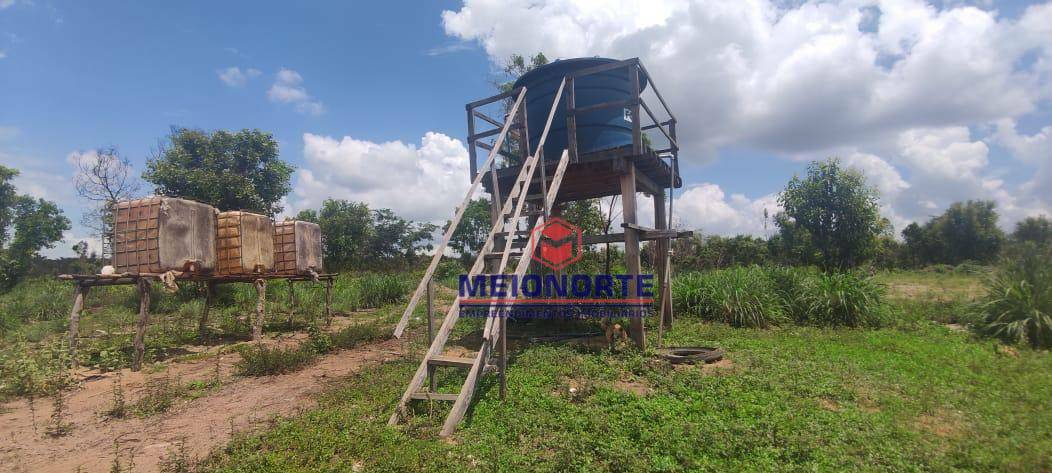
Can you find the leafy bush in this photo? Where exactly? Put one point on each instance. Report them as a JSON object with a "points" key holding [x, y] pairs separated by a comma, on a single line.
{"points": [[1018, 304], [741, 297]]}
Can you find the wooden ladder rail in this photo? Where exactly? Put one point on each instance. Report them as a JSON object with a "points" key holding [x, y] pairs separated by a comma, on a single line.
{"points": [[453, 314], [491, 333], [422, 287], [518, 192]]}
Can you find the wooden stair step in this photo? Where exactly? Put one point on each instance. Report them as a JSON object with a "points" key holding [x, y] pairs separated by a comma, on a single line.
{"points": [[426, 396], [447, 360]]}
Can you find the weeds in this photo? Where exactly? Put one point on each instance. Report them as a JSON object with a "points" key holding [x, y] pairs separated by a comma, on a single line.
{"points": [[741, 297], [58, 426], [258, 360], [119, 408], [176, 460]]}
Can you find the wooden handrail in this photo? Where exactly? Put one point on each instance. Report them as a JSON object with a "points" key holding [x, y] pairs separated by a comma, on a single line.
{"points": [[456, 221]]}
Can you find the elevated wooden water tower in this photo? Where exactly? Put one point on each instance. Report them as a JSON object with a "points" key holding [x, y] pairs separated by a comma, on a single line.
{"points": [[596, 119], [567, 131]]}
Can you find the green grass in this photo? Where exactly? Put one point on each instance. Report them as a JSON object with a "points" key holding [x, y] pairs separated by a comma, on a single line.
{"points": [[1018, 303], [260, 360], [802, 398]]}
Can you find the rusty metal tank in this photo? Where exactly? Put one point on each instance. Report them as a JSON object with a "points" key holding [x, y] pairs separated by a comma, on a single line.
{"points": [[159, 234], [297, 247], [244, 243]]}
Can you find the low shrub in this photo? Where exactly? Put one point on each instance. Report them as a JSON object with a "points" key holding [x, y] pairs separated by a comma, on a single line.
{"points": [[842, 299], [1017, 307], [258, 360]]}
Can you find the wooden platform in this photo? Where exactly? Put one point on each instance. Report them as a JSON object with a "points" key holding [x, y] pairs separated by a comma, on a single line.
{"points": [[596, 175]]}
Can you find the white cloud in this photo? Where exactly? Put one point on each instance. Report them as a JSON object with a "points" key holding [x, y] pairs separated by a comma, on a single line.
{"points": [[708, 208], [234, 77], [4, 4], [288, 88], [790, 79], [422, 183]]}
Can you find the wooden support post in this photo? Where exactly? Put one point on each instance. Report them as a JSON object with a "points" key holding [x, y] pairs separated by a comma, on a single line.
{"points": [[261, 307], [637, 132], [628, 214], [292, 303], [432, 383], [79, 293], [328, 302], [140, 329], [202, 325], [660, 260]]}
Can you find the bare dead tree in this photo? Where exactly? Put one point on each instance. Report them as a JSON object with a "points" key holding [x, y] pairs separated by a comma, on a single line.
{"points": [[103, 177]]}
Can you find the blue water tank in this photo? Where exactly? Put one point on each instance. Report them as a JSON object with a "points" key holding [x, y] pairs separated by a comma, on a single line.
{"points": [[597, 130]]}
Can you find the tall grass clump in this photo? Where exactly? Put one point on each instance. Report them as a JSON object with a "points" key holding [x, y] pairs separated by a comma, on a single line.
{"points": [[1017, 307], [371, 290], [846, 299], [741, 297]]}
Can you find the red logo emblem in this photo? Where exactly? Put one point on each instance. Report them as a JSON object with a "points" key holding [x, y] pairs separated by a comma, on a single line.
{"points": [[559, 244]]}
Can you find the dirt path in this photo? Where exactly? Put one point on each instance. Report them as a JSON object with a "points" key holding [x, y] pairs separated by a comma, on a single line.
{"points": [[238, 405]]}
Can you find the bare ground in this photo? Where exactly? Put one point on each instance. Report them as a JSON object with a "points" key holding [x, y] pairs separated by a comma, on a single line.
{"points": [[198, 425]]}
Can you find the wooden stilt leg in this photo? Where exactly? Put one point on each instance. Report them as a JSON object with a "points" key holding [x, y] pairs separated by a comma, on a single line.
{"points": [[202, 325], [261, 307], [140, 328], [79, 293], [292, 303], [328, 302], [628, 205]]}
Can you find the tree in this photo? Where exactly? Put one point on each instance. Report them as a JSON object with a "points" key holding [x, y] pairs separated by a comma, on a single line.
{"points": [[103, 177], [471, 232], [839, 212], [346, 229], [355, 236], [1033, 229], [394, 237], [27, 225], [967, 231], [228, 170]]}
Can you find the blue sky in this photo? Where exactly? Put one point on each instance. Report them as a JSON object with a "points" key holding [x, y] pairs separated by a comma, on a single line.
{"points": [[936, 102]]}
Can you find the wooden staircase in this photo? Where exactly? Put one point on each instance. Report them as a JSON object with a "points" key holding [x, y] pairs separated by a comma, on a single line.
{"points": [[505, 233]]}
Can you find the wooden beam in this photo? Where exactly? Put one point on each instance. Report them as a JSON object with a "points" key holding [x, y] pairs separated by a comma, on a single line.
{"points": [[494, 98], [79, 293], [139, 343], [636, 329], [620, 237], [600, 106], [571, 118]]}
